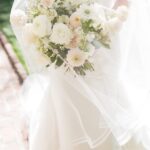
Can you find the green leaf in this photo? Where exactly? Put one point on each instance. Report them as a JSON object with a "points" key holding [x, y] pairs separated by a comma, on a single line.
{"points": [[106, 45], [80, 71], [86, 25], [62, 11], [53, 58], [59, 61], [49, 53]]}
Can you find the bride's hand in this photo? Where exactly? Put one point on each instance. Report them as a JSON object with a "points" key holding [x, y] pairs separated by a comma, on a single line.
{"points": [[121, 2]]}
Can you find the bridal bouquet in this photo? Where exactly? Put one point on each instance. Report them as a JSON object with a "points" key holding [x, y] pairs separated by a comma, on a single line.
{"points": [[68, 32]]}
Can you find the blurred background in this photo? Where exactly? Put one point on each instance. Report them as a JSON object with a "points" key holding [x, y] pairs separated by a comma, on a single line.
{"points": [[13, 72]]}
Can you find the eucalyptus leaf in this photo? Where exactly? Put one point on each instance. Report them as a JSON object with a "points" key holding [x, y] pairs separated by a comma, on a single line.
{"points": [[59, 61]]}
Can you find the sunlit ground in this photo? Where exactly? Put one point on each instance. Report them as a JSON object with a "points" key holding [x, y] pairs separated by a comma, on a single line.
{"points": [[10, 116]]}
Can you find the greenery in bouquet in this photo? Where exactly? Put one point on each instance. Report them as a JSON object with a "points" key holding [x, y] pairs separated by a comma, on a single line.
{"points": [[68, 32]]}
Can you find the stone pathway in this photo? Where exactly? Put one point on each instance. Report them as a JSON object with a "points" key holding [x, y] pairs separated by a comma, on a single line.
{"points": [[10, 108]]}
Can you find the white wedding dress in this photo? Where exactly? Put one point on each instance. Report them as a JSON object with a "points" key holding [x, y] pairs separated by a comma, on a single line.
{"points": [[102, 111]]}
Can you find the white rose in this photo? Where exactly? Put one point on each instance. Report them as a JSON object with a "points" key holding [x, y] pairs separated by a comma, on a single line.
{"points": [[76, 57], [122, 13], [86, 12], [47, 3], [18, 17], [28, 35], [41, 26], [61, 34]]}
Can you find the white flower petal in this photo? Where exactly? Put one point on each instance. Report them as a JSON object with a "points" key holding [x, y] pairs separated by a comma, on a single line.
{"points": [[76, 57], [41, 26], [61, 34]]}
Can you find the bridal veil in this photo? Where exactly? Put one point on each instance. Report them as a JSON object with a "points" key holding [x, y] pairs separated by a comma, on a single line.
{"points": [[112, 100]]}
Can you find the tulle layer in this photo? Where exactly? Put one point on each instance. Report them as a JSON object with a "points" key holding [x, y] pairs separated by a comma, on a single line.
{"points": [[71, 110], [66, 111]]}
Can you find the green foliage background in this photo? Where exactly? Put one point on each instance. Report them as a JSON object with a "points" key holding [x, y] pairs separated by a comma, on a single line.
{"points": [[5, 28]]}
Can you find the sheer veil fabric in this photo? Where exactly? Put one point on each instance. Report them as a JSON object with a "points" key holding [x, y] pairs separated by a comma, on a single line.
{"points": [[110, 104]]}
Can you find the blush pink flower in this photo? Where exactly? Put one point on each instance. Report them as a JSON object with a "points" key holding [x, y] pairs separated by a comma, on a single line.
{"points": [[75, 20], [47, 3], [76, 57]]}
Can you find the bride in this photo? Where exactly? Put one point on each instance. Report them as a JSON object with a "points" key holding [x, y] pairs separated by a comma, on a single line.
{"points": [[106, 109]]}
